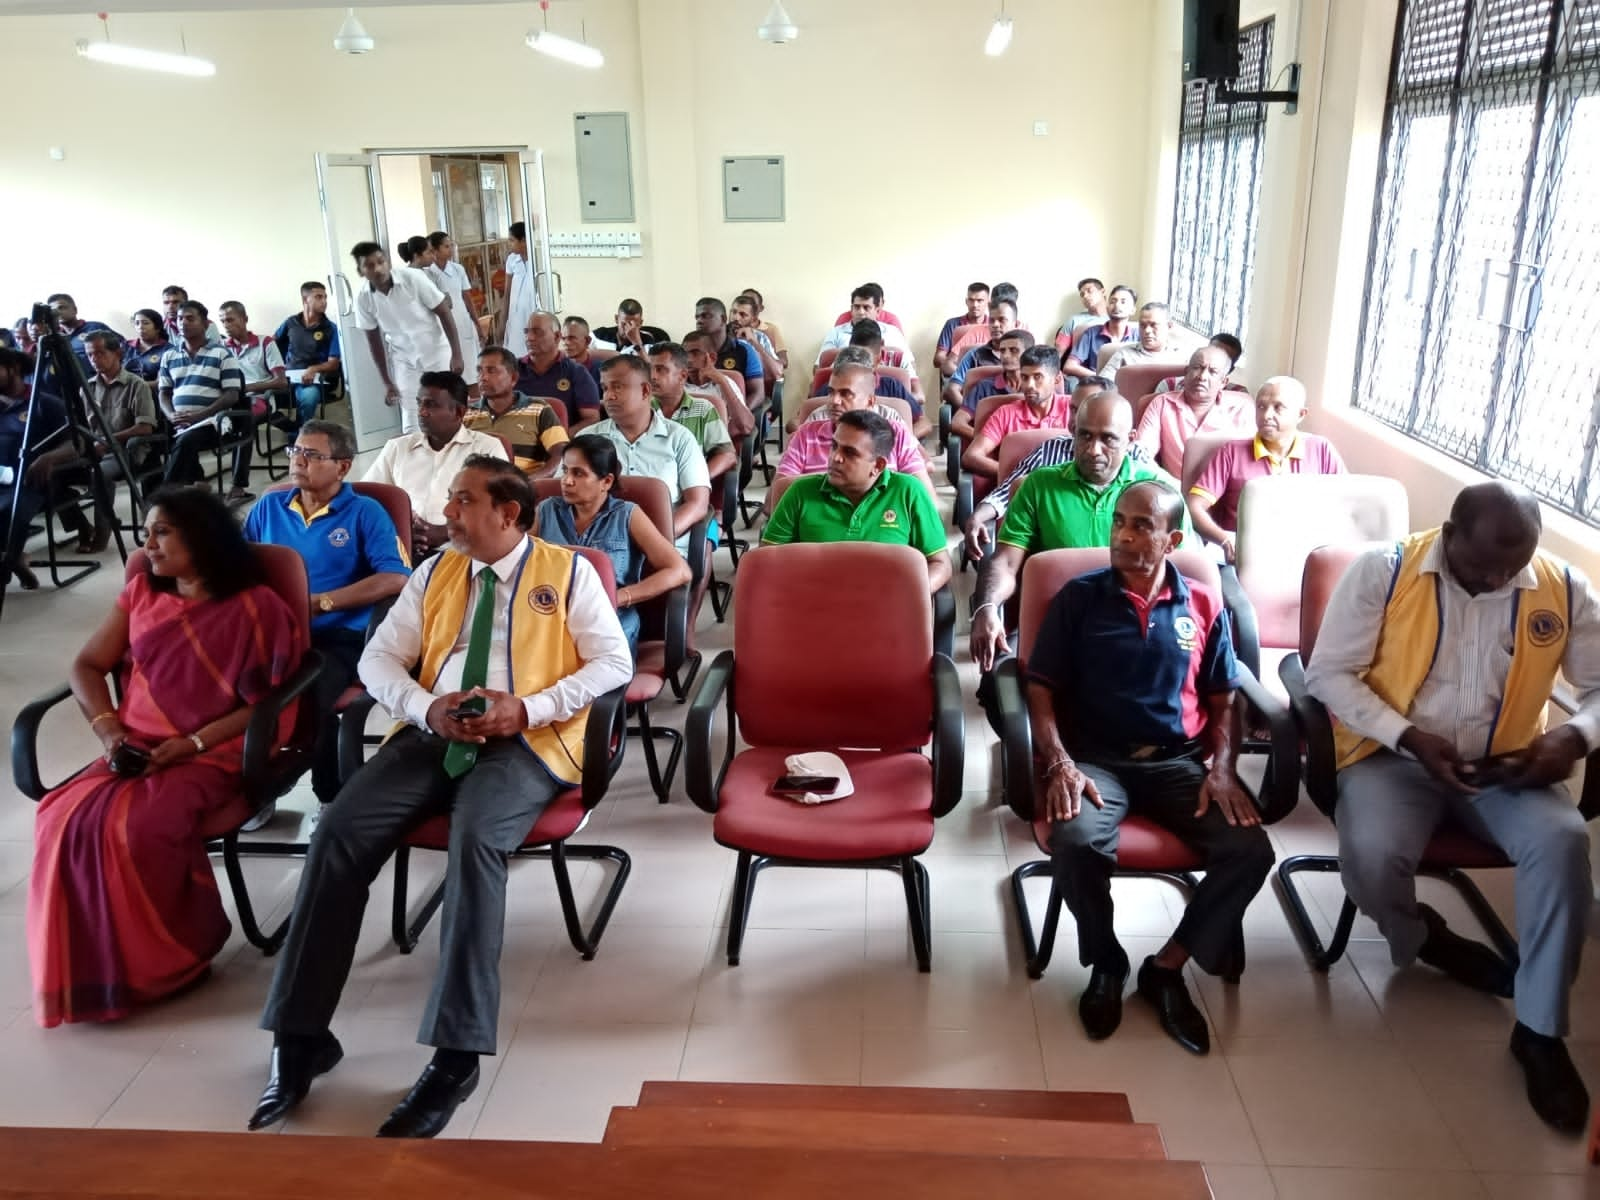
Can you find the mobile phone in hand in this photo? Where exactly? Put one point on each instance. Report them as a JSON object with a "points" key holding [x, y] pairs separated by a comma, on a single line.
{"points": [[468, 709]]}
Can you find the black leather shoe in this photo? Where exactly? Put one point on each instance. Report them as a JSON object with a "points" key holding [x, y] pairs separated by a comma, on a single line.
{"points": [[430, 1104], [1463, 959], [1100, 1006], [1166, 992], [295, 1063], [1555, 1089]]}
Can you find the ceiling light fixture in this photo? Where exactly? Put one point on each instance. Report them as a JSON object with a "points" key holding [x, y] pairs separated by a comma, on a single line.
{"points": [[579, 54], [119, 55], [999, 34], [777, 28], [353, 37]]}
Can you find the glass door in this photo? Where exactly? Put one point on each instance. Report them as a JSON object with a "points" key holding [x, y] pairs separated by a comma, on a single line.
{"points": [[546, 282], [351, 199]]}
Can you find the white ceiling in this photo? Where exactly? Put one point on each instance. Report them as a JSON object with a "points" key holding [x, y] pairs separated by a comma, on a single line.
{"points": [[70, 7]]}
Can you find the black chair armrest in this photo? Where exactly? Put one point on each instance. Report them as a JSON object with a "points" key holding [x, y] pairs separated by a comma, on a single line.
{"points": [[1280, 787], [946, 411], [952, 460], [714, 684], [1016, 735], [675, 633], [1316, 733], [25, 743], [949, 736], [380, 610], [726, 483], [698, 555], [964, 504], [352, 735], [605, 738], [261, 735]]}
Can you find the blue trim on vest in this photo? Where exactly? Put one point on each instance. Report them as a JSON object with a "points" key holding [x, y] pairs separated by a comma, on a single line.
{"points": [[1438, 635], [1394, 578], [511, 609], [1494, 724]]}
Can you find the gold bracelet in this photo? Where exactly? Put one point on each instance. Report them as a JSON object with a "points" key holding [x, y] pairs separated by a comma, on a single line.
{"points": [[108, 715]]}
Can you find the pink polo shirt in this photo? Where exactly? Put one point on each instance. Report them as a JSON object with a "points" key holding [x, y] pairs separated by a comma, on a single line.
{"points": [[1237, 463], [811, 444], [1168, 424], [1019, 414]]}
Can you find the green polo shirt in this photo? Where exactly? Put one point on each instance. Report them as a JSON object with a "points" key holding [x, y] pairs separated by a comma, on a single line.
{"points": [[897, 510], [1054, 509]]}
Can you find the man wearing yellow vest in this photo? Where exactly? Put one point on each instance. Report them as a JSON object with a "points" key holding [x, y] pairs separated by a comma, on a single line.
{"points": [[523, 633], [1436, 658]]}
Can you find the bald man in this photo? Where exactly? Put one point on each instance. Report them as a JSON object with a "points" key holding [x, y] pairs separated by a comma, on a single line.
{"points": [[1437, 656]]}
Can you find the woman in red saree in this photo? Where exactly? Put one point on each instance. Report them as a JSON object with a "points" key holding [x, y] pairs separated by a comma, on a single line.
{"points": [[123, 907]]}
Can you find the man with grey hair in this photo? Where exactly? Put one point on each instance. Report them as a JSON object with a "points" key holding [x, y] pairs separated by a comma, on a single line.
{"points": [[1155, 340], [860, 358], [1202, 405], [545, 373]]}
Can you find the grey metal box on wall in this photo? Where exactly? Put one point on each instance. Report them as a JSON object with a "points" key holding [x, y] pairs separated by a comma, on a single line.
{"points": [[605, 166], [752, 189]]}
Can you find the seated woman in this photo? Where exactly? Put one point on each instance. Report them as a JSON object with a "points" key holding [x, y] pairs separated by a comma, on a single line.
{"points": [[587, 514], [122, 904], [142, 356]]}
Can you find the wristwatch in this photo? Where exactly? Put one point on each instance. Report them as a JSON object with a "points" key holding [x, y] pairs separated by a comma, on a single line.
{"points": [[323, 603]]}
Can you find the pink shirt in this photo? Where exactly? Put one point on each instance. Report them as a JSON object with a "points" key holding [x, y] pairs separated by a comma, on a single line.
{"points": [[812, 443], [1237, 463], [1168, 423], [1019, 414]]}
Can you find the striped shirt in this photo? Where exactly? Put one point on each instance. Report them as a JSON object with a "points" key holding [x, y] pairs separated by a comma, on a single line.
{"points": [[1054, 453], [198, 380]]}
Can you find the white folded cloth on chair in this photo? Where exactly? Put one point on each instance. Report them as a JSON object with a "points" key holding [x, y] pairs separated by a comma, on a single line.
{"points": [[820, 762]]}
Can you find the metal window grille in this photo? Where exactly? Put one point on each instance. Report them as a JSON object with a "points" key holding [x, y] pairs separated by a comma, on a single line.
{"points": [[1220, 150], [1478, 334]]}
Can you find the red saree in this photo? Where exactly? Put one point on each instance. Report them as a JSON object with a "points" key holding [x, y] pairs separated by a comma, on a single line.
{"points": [[123, 907]]}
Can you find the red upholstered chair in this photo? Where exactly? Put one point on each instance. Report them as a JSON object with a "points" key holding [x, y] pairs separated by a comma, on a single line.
{"points": [[966, 337], [1141, 379], [1144, 849], [825, 359], [860, 680], [604, 741], [270, 768], [1450, 853], [971, 489], [558, 405]]}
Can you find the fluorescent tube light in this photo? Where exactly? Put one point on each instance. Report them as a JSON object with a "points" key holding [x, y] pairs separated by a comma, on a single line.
{"points": [[579, 54], [999, 37], [146, 60]]}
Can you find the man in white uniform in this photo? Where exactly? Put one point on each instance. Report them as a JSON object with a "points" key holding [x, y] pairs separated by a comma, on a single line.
{"points": [[408, 325]]}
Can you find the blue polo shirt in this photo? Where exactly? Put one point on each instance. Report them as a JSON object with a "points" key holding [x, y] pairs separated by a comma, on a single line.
{"points": [[305, 345], [146, 363], [1093, 339], [735, 355], [885, 386], [349, 539], [1127, 675], [947, 332], [566, 381]]}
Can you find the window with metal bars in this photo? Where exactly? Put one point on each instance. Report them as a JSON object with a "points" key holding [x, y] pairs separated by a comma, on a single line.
{"points": [[1478, 334], [1220, 149]]}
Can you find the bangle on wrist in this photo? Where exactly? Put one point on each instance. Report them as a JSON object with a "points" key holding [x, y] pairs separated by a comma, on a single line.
{"points": [[984, 605], [199, 743], [108, 715], [1056, 766]]}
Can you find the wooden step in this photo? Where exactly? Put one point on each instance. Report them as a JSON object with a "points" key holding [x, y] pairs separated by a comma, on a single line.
{"points": [[934, 1133], [1105, 1107], [73, 1164]]}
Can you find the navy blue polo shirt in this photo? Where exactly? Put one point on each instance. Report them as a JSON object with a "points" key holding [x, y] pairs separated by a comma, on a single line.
{"points": [[979, 356], [146, 363], [1125, 675], [350, 539], [886, 386], [735, 355], [566, 381], [305, 345]]}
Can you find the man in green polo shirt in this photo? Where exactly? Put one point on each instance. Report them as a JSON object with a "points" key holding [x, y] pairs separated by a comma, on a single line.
{"points": [[1059, 508], [861, 500], [669, 372]]}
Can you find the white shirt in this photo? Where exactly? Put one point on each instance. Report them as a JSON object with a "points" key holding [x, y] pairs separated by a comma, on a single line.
{"points": [[259, 362], [1126, 354], [396, 647], [523, 300], [893, 339], [1461, 696], [404, 315], [424, 473]]}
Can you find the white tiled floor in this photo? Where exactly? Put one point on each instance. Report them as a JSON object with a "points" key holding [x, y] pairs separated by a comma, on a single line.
{"points": [[1366, 1082]]}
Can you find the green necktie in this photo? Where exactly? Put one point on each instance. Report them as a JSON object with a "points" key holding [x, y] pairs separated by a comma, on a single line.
{"points": [[460, 756]]}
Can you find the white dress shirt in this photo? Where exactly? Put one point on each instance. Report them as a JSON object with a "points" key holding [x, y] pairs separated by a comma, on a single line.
{"points": [[1461, 696], [396, 647], [404, 315], [424, 473], [893, 339]]}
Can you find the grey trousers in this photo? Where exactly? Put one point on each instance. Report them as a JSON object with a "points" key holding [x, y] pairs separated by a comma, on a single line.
{"points": [[1389, 806], [491, 808]]}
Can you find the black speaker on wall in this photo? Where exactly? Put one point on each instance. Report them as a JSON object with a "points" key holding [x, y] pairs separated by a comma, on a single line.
{"points": [[1210, 39]]}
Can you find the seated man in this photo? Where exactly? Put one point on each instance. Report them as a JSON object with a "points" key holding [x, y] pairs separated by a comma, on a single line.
{"points": [[1437, 657], [1155, 340], [1278, 448], [706, 380], [577, 345], [1041, 407], [711, 318], [865, 349], [354, 558], [265, 380], [866, 303], [1007, 382], [1229, 345], [544, 373], [651, 445], [24, 475], [1118, 326], [868, 335], [885, 388], [1002, 320], [977, 314], [861, 499], [1056, 508], [883, 314], [494, 708], [309, 344], [200, 390], [173, 298], [1203, 405], [423, 463], [850, 387], [669, 372], [1130, 692], [1092, 293], [745, 323], [75, 327], [630, 335], [536, 434]]}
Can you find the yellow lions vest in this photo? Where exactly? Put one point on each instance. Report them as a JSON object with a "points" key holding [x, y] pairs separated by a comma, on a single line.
{"points": [[1408, 646], [541, 649]]}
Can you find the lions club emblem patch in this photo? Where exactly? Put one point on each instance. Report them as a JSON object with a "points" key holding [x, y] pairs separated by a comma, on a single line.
{"points": [[1545, 627], [339, 538], [543, 599], [890, 517], [563, 385]]}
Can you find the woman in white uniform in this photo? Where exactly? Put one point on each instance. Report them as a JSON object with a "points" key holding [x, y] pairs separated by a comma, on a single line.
{"points": [[521, 297], [452, 279]]}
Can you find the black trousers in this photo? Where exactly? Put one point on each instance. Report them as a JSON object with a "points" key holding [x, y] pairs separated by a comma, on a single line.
{"points": [[183, 461], [491, 808], [1083, 850], [341, 652]]}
